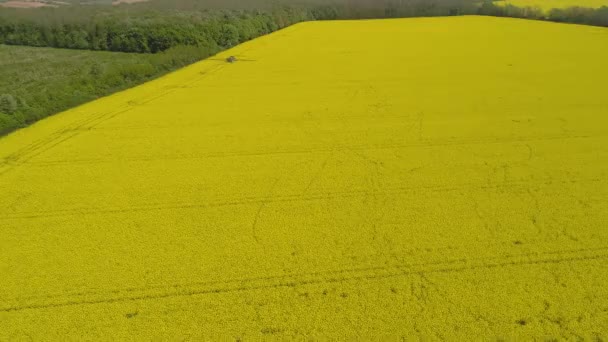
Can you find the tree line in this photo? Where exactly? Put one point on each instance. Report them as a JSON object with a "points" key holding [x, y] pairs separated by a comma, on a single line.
{"points": [[158, 25], [573, 15], [146, 33], [150, 28]]}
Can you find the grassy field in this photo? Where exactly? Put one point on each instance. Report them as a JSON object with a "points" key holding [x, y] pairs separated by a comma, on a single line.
{"points": [[43, 81], [442, 178], [47, 80], [549, 4]]}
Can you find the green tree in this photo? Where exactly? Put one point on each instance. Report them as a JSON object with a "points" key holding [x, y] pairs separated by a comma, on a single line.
{"points": [[229, 36], [7, 123], [8, 104]]}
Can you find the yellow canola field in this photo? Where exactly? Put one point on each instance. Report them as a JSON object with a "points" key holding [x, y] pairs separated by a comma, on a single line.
{"points": [[439, 178], [550, 4]]}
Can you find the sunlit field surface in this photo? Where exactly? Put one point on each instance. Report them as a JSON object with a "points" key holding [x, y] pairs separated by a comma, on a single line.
{"points": [[549, 4], [433, 178]]}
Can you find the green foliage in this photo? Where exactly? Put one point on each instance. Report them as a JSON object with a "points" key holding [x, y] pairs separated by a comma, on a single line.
{"points": [[44, 81], [170, 34], [161, 24], [158, 25], [576, 15], [580, 15], [8, 123], [8, 104], [229, 36]]}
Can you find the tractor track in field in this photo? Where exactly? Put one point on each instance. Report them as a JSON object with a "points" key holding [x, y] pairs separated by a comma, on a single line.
{"points": [[292, 198], [40, 146], [312, 278], [237, 154], [417, 178]]}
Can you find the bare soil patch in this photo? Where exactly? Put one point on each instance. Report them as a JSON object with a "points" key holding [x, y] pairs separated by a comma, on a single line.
{"points": [[118, 2], [25, 4]]}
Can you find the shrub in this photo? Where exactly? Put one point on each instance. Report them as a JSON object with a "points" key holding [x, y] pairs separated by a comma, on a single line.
{"points": [[8, 123], [229, 36], [8, 104]]}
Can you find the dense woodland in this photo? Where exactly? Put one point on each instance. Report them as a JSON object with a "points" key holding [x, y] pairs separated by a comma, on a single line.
{"points": [[157, 25], [574, 15], [163, 35]]}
